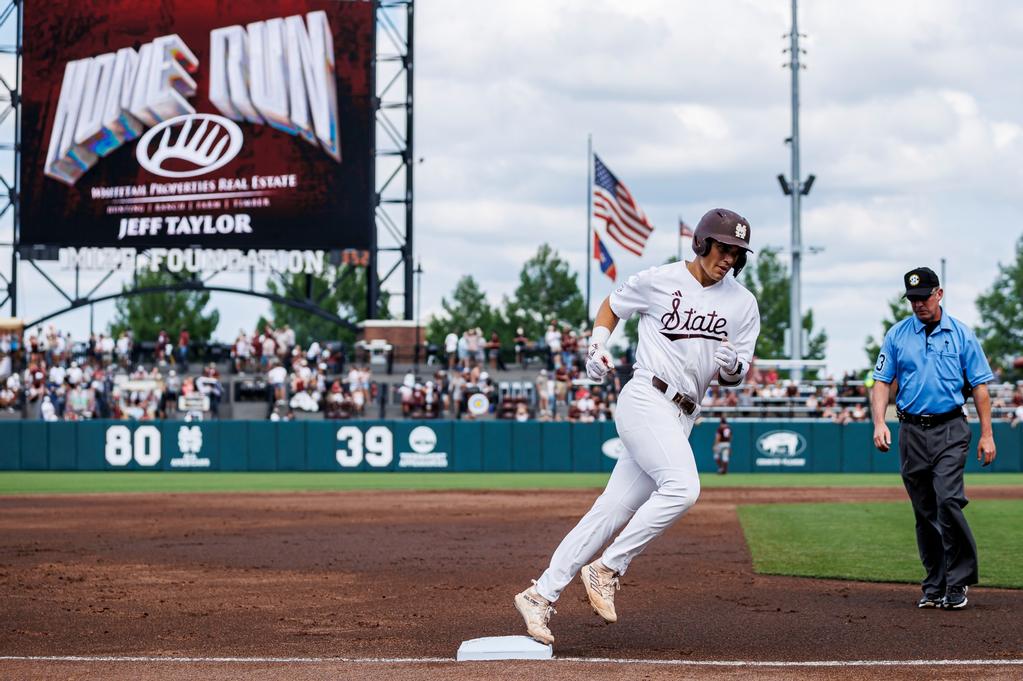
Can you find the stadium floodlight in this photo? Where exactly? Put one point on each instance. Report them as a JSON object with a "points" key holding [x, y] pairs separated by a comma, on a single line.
{"points": [[785, 188]]}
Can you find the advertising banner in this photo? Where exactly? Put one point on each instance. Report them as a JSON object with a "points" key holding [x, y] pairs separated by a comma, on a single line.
{"points": [[160, 123]]}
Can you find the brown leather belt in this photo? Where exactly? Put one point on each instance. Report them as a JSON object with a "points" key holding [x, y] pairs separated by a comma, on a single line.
{"points": [[683, 402]]}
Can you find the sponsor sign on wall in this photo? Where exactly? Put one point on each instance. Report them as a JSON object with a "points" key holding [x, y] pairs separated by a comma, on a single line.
{"points": [[781, 448], [240, 125]]}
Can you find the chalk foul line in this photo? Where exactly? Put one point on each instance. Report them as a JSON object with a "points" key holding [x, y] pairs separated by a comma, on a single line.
{"points": [[434, 660]]}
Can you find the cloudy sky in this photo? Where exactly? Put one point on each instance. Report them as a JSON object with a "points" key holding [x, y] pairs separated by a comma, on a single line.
{"points": [[910, 121]]}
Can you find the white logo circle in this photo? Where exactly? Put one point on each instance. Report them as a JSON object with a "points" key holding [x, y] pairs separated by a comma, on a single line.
{"points": [[422, 439], [478, 404], [613, 448], [914, 279], [205, 140]]}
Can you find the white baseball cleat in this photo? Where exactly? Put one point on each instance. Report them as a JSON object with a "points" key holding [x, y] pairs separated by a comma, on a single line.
{"points": [[536, 611], [601, 585]]}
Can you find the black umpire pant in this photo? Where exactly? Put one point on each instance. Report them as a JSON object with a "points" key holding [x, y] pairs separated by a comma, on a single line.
{"points": [[932, 462]]}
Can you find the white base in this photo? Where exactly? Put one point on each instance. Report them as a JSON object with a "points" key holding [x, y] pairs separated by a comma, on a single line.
{"points": [[504, 648]]}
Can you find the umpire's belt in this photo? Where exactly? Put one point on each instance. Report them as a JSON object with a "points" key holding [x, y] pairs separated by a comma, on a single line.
{"points": [[683, 402], [929, 420]]}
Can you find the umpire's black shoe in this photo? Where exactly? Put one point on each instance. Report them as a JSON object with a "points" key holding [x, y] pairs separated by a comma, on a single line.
{"points": [[955, 598], [930, 601]]}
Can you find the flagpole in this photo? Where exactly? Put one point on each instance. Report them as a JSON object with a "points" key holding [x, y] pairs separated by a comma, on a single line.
{"points": [[680, 238], [589, 220]]}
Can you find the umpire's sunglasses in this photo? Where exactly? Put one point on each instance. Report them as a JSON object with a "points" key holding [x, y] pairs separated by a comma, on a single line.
{"points": [[920, 299]]}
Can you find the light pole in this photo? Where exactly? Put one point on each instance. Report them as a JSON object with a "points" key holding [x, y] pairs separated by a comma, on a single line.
{"points": [[796, 189], [418, 271]]}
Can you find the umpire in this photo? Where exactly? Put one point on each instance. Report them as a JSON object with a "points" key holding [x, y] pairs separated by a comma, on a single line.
{"points": [[935, 360]]}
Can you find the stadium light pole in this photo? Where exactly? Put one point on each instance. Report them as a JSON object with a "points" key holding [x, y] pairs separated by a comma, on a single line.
{"points": [[419, 303], [795, 189]]}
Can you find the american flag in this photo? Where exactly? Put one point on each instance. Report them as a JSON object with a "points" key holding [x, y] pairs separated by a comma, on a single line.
{"points": [[613, 204], [684, 230]]}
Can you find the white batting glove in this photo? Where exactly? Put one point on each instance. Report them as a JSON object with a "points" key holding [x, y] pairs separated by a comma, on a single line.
{"points": [[599, 362], [727, 358]]}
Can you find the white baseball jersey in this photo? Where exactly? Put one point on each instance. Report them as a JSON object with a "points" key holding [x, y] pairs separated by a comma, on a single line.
{"points": [[682, 323]]}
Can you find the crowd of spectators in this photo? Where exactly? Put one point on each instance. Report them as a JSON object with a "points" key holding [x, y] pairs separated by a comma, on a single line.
{"points": [[71, 381], [299, 380], [110, 377]]}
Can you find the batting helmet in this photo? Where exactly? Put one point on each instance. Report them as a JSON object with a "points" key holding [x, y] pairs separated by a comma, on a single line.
{"points": [[726, 226]]}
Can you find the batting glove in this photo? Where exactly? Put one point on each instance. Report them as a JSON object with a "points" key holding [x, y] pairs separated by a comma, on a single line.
{"points": [[727, 358], [599, 362]]}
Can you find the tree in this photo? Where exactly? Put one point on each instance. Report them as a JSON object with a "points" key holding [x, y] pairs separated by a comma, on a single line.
{"points": [[339, 289], [468, 308], [146, 315], [547, 290], [898, 309], [768, 280], [1001, 309]]}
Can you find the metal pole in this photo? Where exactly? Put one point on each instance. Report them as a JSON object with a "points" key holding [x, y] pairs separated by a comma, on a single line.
{"points": [[679, 228], [589, 221], [409, 164], [12, 288], [795, 314], [944, 283], [419, 302]]}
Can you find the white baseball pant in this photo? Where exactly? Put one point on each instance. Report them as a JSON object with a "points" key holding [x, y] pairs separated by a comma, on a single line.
{"points": [[654, 483]]}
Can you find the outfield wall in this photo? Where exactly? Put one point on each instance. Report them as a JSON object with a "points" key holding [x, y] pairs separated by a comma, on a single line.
{"points": [[758, 445]]}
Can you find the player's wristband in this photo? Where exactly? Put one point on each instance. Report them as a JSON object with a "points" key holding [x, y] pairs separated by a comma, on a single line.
{"points": [[600, 335], [731, 378]]}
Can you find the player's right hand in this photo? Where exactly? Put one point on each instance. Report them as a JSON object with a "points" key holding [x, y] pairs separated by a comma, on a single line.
{"points": [[882, 437], [599, 362]]}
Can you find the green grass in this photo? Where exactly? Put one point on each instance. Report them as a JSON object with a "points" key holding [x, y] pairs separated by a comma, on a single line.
{"points": [[60, 482], [874, 542]]}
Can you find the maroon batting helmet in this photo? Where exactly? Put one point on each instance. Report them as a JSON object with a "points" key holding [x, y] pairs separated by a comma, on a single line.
{"points": [[726, 226]]}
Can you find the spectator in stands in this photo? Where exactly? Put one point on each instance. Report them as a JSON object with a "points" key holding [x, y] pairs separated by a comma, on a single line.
{"points": [[544, 393], [457, 382], [209, 385], [585, 409], [123, 349], [451, 349], [184, 340], [521, 412], [813, 404], [562, 383], [493, 348], [552, 339], [521, 345], [241, 352], [277, 376]]}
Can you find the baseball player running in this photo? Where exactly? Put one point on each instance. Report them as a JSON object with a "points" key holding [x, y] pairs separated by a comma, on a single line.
{"points": [[696, 323]]}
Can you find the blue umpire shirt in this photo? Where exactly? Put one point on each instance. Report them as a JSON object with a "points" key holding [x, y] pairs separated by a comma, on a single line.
{"points": [[930, 369]]}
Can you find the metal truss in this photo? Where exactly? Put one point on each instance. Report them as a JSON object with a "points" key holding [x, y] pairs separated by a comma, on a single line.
{"points": [[10, 152], [392, 241]]}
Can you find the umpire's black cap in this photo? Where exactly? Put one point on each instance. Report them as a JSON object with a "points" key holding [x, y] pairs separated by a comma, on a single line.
{"points": [[920, 282]]}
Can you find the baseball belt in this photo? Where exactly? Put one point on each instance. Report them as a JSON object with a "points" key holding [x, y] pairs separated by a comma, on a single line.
{"points": [[683, 402], [929, 420]]}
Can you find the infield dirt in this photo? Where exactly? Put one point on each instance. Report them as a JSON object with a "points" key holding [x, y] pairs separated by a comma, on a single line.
{"points": [[412, 574]]}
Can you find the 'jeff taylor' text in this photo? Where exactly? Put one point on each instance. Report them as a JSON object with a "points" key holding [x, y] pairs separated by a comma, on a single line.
{"points": [[240, 223]]}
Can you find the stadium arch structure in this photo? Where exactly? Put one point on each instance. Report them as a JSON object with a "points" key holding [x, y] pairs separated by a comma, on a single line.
{"points": [[391, 250]]}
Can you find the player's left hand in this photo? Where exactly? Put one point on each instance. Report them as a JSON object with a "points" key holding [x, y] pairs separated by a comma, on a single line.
{"points": [[986, 450], [727, 358], [599, 362]]}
